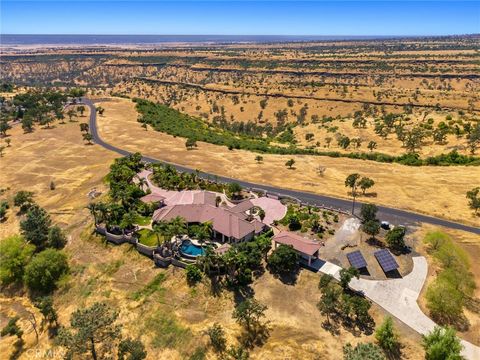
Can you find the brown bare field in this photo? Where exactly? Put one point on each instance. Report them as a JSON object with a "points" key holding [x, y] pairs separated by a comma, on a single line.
{"points": [[437, 191]]}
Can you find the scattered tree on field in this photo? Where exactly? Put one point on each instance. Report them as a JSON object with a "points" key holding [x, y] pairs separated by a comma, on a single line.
{"points": [[329, 301], [474, 139], [35, 226], [4, 127], [24, 200], [290, 163], [190, 143], [15, 254], [372, 228], [283, 260], [71, 113], [100, 110], [45, 305], [217, 337], [84, 127], [249, 314], [365, 183], [92, 330], [3, 209], [45, 269], [346, 275], [88, 138], [387, 337], [368, 212], [441, 344], [81, 109], [474, 199], [395, 237], [56, 238]]}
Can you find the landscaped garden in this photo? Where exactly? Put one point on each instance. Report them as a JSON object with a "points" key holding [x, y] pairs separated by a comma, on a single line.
{"points": [[148, 237], [310, 220]]}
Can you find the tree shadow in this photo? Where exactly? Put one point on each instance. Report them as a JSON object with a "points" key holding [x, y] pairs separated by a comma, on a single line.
{"points": [[395, 353], [375, 242], [288, 278], [473, 304], [215, 285], [17, 349], [241, 293], [459, 323], [331, 326], [257, 336], [401, 251]]}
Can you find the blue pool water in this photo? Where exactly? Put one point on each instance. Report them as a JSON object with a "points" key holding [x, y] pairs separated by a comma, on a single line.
{"points": [[188, 248]]}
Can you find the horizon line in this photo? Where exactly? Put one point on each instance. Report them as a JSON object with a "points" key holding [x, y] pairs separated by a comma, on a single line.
{"points": [[287, 35]]}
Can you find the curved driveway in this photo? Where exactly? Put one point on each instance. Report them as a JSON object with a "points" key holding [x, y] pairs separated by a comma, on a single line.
{"points": [[394, 216], [399, 298]]}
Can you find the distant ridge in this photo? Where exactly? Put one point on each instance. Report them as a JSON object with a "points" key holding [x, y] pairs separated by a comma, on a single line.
{"points": [[25, 39]]}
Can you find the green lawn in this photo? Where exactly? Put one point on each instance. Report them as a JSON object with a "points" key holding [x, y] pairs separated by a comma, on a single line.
{"points": [[143, 220], [147, 237]]}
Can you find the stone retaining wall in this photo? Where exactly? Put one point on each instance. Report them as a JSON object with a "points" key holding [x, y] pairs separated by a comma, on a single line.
{"points": [[145, 250]]}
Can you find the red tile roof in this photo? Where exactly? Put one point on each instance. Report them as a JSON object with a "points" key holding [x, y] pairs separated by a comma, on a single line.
{"points": [[223, 220], [152, 198], [242, 207], [299, 243]]}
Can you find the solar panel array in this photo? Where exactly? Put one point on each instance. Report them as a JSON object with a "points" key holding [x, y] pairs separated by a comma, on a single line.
{"points": [[357, 260], [386, 260]]}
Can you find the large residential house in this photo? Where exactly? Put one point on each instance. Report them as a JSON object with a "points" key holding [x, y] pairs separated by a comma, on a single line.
{"points": [[230, 225]]}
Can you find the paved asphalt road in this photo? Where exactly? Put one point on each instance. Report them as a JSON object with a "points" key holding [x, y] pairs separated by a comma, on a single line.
{"points": [[394, 216]]}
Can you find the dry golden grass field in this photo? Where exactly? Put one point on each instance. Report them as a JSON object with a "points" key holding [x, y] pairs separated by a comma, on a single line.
{"points": [[320, 88], [113, 274], [437, 191]]}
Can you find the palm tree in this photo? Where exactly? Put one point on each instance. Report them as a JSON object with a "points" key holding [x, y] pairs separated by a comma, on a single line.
{"points": [[205, 231], [93, 211], [207, 261], [102, 212], [142, 182], [128, 220], [177, 226], [159, 229]]}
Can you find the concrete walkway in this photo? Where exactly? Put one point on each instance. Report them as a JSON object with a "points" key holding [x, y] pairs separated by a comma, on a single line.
{"points": [[399, 297]]}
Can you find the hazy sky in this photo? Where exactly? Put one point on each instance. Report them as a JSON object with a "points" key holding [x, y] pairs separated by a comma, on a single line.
{"points": [[241, 17]]}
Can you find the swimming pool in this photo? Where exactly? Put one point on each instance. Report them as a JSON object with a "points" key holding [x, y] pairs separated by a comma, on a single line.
{"points": [[190, 249]]}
